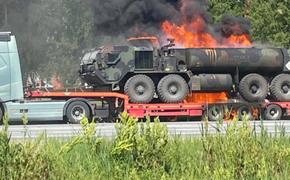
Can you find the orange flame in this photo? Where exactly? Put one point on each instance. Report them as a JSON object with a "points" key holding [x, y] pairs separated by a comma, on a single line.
{"points": [[208, 97], [194, 35], [239, 41], [55, 81]]}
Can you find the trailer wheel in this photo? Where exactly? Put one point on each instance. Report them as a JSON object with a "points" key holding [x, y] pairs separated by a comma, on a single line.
{"points": [[253, 88], [245, 111], [172, 89], [273, 112], [215, 113], [280, 87], [76, 111], [140, 89]]}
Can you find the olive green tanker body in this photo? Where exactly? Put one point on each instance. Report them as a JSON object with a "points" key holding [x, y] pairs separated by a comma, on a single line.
{"points": [[228, 60]]}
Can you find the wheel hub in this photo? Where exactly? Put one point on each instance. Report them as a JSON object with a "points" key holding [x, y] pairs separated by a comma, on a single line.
{"points": [[285, 89], [244, 111], [140, 89], [254, 89], [273, 112], [78, 113], [173, 89], [215, 112]]}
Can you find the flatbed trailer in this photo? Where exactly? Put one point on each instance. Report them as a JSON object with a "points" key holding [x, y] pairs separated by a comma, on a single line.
{"points": [[212, 109]]}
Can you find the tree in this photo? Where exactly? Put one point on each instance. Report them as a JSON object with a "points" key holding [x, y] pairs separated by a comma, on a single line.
{"points": [[220, 8], [271, 22]]}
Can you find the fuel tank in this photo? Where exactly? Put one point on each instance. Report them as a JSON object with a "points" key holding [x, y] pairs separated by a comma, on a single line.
{"points": [[227, 60], [215, 82]]}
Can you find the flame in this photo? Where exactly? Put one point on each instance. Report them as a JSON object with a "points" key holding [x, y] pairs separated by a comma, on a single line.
{"points": [[55, 81], [194, 34], [208, 97], [239, 41]]}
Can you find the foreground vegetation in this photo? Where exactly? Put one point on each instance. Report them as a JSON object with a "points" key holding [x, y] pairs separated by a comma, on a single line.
{"points": [[145, 151]]}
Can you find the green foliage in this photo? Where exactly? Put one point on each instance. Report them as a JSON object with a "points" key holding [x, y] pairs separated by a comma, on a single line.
{"points": [[86, 137], [220, 8], [29, 160], [242, 154], [271, 21], [144, 151], [145, 145]]}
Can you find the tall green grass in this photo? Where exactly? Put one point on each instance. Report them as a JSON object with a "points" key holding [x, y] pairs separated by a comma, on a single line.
{"points": [[145, 151]]}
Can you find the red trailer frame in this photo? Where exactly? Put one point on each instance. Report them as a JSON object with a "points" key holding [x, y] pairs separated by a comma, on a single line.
{"points": [[190, 109]]}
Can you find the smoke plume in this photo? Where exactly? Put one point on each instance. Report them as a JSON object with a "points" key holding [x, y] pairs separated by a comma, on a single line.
{"points": [[146, 17], [131, 17]]}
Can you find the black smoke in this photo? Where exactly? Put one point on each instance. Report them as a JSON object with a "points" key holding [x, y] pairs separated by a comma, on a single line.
{"points": [[192, 9], [231, 25], [127, 17], [136, 17]]}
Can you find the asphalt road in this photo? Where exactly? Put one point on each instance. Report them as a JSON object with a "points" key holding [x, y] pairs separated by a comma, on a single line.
{"points": [[190, 129]]}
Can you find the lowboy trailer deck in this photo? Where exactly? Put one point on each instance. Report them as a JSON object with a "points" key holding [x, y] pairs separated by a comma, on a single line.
{"points": [[108, 105]]}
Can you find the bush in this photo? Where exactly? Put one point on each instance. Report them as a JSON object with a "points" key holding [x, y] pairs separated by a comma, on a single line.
{"points": [[145, 151], [27, 160], [143, 147]]}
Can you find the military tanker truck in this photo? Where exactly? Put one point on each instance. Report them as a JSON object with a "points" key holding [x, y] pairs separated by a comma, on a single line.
{"points": [[145, 71]]}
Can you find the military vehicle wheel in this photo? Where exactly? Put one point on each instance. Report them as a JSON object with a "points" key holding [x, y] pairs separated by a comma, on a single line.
{"points": [[253, 87], [172, 89], [245, 111], [280, 87], [273, 112], [140, 89], [215, 113], [76, 111]]}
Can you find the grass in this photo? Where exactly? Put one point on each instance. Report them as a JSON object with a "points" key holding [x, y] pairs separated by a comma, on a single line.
{"points": [[145, 151]]}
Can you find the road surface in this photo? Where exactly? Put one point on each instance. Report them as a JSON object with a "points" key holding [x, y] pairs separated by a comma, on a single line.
{"points": [[108, 129]]}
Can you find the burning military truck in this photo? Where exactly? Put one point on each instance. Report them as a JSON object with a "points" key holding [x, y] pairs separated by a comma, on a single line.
{"points": [[144, 71]]}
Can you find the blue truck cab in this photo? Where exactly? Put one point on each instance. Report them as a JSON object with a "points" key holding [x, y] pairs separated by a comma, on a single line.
{"points": [[12, 100]]}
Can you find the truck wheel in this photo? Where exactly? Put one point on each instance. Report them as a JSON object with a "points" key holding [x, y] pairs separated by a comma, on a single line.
{"points": [[253, 88], [280, 87], [76, 111], [273, 112], [215, 113], [140, 89], [245, 111], [172, 89]]}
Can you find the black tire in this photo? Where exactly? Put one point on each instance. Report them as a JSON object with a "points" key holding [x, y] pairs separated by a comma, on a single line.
{"points": [[280, 87], [172, 89], [215, 113], [245, 111], [273, 112], [140, 89], [76, 111], [253, 88]]}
